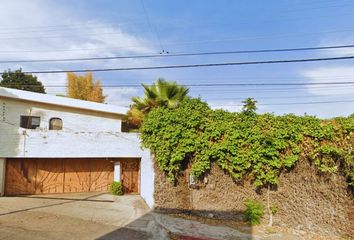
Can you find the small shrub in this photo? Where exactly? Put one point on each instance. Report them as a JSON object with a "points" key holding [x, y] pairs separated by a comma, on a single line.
{"points": [[254, 211], [273, 209], [116, 188]]}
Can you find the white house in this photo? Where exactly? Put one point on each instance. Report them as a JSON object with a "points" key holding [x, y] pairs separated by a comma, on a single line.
{"points": [[51, 144]]}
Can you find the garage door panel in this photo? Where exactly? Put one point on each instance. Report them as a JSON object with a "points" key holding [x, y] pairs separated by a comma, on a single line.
{"points": [[130, 175], [77, 175], [101, 174], [50, 176], [41, 176], [20, 177]]}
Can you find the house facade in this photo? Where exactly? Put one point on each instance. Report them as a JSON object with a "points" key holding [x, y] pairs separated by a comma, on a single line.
{"points": [[51, 144]]}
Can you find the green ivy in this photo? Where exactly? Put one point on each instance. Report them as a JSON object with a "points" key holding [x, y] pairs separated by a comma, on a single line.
{"points": [[259, 146], [254, 211]]}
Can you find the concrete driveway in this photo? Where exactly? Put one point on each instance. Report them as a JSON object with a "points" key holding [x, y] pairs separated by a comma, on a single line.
{"points": [[75, 216], [99, 216]]}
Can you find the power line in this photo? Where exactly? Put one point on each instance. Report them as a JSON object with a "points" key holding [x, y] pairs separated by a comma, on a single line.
{"points": [[194, 65], [64, 36], [216, 84], [195, 42], [71, 25], [152, 28], [68, 29], [279, 97], [89, 23], [258, 37], [300, 103], [182, 54], [305, 103], [319, 7]]}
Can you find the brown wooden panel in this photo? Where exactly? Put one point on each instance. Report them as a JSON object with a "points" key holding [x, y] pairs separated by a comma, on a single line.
{"points": [[40, 176], [101, 174], [130, 175], [50, 176], [77, 175], [20, 176]]}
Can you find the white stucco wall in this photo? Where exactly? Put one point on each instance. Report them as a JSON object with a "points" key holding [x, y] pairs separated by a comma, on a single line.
{"points": [[61, 144], [73, 119], [147, 177], [60, 101], [116, 171], [85, 135]]}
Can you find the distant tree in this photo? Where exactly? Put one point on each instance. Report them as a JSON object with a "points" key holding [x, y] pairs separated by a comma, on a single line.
{"points": [[84, 87], [160, 94], [19, 80], [249, 105], [134, 118]]}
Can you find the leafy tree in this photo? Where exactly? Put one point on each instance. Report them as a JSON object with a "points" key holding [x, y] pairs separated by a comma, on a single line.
{"points": [[134, 117], [84, 88], [160, 94], [249, 105], [19, 80]]}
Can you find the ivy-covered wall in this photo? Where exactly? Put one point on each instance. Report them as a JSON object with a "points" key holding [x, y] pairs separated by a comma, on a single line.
{"points": [[246, 145], [304, 199], [307, 162]]}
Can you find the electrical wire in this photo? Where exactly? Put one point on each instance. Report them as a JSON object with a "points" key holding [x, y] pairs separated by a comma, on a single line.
{"points": [[303, 103], [216, 84], [182, 54], [300, 60], [152, 28]]}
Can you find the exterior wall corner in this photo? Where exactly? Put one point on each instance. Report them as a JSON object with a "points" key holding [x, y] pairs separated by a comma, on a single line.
{"points": [[2, 176], [147, 178]]}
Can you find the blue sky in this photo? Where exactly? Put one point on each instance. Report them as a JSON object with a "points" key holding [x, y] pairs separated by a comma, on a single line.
{"points": [[41, 29]]}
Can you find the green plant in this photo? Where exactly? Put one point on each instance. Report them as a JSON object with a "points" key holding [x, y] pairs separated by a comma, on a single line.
{"points": [[116, 188], [274, 209], [254, 211], [19, 80], [257, 146], [249, 105], [160, 94]]}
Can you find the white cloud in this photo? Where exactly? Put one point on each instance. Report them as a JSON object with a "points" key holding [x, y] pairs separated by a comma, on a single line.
{"points": [[120, 96], [54, 82], [337, 42], [330, 74], [19, 39], [227, 105], [233, 106]]}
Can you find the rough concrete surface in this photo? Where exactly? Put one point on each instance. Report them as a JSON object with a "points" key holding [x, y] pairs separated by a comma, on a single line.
{"points": [[306, 200], [95, 216], [103, 216], [74, 216]]}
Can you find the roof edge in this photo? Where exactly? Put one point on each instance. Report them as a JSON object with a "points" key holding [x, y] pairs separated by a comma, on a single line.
{"points": [[61, 101]]}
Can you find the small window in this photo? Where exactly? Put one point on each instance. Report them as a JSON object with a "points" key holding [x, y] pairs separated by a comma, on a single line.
{"points": [[55, 124], [30, 122]]}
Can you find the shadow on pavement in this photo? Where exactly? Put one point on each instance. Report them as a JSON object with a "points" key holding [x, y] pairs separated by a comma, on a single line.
{"points": [[67, 200], [182, 224], [87, 199]]}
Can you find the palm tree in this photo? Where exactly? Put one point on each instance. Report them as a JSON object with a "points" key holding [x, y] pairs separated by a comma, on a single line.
{"points": [[163, 93], [249, 105]]}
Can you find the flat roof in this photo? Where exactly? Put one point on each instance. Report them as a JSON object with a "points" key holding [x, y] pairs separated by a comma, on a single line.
{"points": [[61, 101]]}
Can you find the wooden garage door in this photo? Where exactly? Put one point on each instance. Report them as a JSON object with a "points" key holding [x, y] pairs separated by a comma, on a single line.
{"points": [[130, 175], [39, 176]]}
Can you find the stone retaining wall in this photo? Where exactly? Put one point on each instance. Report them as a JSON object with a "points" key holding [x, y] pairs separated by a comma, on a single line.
{"points": [[305, 199]]}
